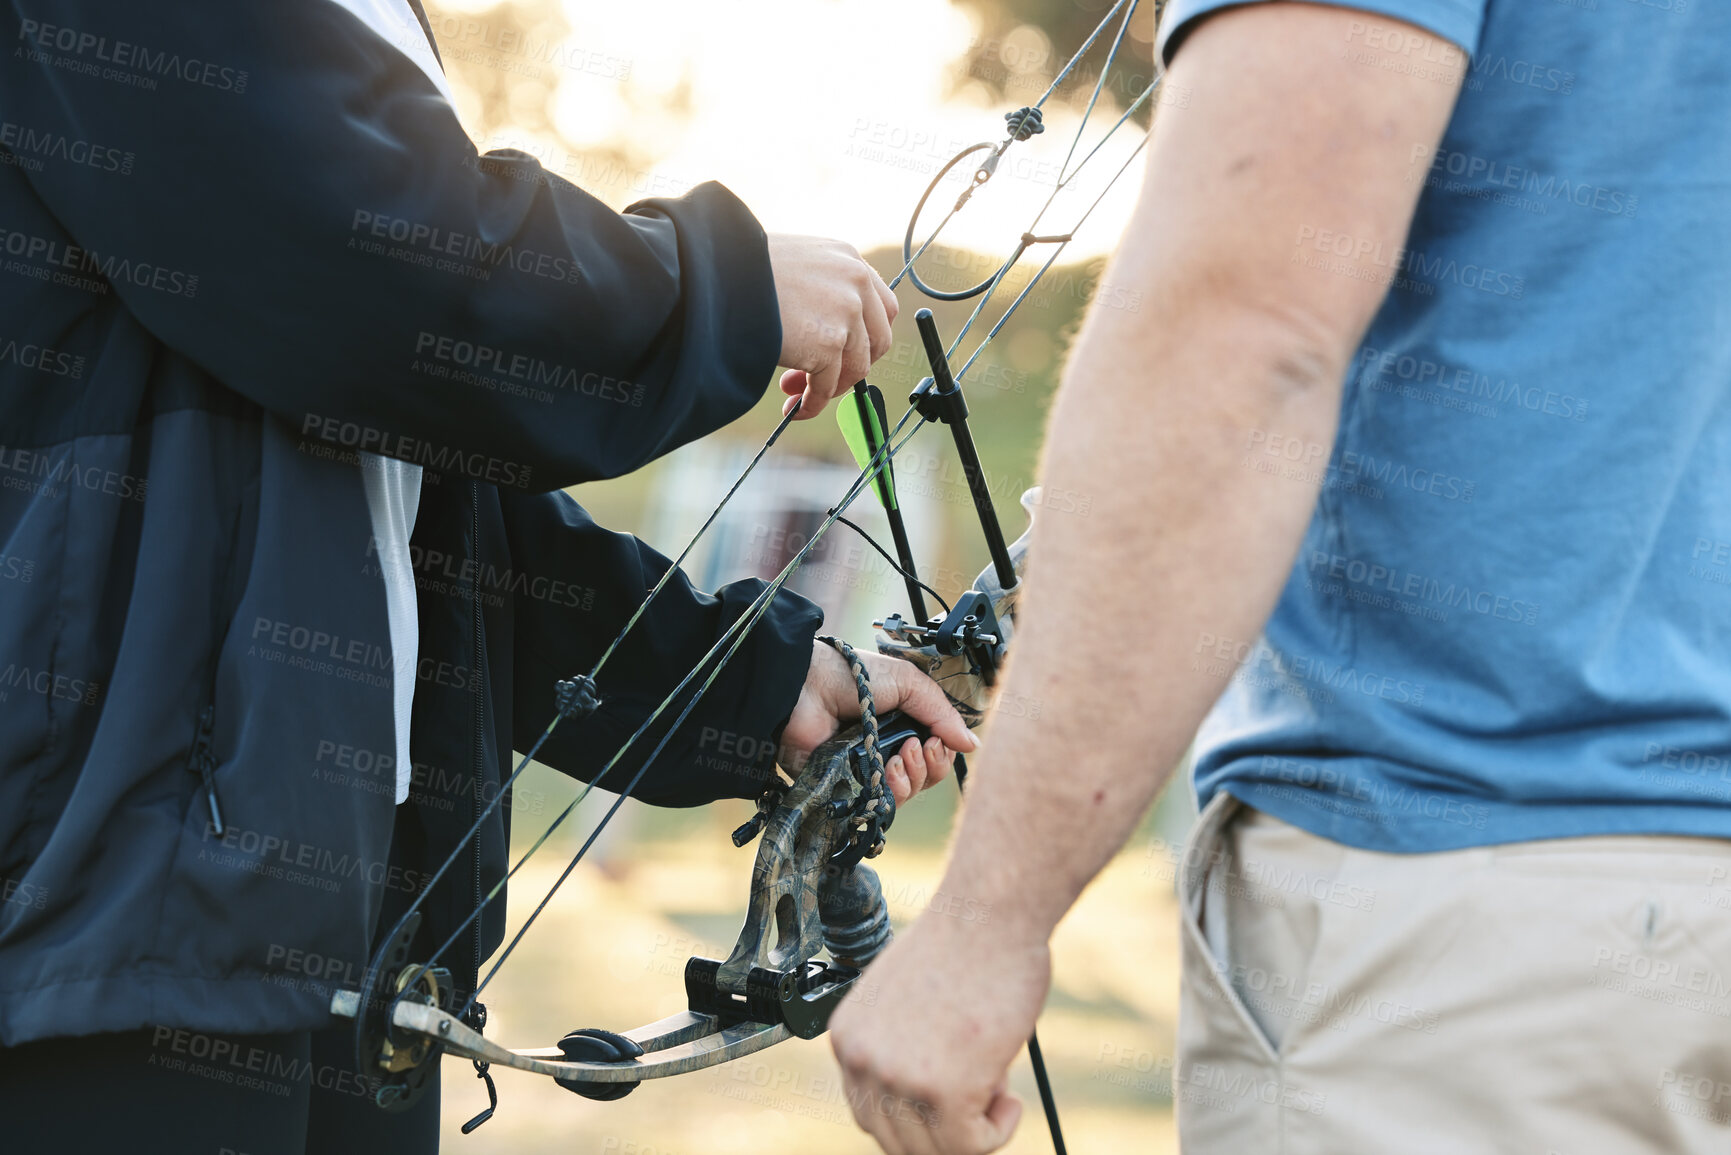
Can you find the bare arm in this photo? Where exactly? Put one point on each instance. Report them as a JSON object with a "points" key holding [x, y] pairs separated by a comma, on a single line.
{"points": [[1282, 140]]}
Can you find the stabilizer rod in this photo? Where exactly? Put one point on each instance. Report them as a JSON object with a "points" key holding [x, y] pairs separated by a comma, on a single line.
{"points": [[939, 398]]}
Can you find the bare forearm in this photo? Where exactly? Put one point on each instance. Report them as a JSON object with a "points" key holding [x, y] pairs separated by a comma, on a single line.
{"points": [[1235, 344], [1282, 137], [1181, 542]]}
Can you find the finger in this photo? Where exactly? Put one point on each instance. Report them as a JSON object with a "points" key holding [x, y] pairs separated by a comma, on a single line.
{"points": [[821, 385], [896, 775], [917, 1127], [857, 357], [939, 760], [810, 405], [887, 295], [913, 759], [865, 1096], [877, 320], [794, 381], [832, 379]]}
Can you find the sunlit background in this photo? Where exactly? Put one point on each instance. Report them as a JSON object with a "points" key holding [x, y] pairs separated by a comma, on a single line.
{"points": [[826, 117]]}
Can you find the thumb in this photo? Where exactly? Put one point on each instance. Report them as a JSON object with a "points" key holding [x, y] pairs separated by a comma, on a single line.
{"points": [[920, 698], [998, 1124]]}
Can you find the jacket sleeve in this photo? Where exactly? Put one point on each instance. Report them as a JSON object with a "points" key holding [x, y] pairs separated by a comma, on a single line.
{"points": [[302, 216], [726, 748]]}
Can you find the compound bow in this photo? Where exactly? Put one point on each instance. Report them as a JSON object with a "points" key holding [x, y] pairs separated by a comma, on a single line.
{"points": [[811, 892]]}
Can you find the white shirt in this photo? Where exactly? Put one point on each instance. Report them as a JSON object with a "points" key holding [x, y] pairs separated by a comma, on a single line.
{"points": [[393, 487]]}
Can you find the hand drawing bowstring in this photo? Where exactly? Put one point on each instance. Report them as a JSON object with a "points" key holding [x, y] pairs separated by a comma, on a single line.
{"points": [[577, 695]]}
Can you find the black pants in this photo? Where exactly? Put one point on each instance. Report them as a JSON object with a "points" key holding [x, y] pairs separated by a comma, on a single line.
{"points": [[173, 1092]]}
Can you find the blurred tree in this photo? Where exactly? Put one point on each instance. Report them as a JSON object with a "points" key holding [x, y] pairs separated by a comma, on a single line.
{"points": [[1023, 44], [501, 54], [505, 59]]}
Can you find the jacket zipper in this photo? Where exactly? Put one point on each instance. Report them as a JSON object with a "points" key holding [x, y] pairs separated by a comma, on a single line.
{"points": [[202, 759], [203, 763], [480, 706]]}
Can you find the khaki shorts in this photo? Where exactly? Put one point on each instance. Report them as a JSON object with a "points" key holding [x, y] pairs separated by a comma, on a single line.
{"points": [[1565, 997]]}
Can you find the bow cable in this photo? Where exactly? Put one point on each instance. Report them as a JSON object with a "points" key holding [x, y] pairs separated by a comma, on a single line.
{"points": [[733, 637], [739, 631], [1066, 174], [577, 695]]}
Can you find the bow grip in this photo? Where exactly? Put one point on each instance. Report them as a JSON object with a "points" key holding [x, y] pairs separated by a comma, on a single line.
{"points": [[895, 728]]}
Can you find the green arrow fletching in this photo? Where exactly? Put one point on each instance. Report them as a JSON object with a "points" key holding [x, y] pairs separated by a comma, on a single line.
{"points": [[864, 422]]}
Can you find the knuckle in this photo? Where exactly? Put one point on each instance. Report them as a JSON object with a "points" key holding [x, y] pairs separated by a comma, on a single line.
{"points": [[854, 1061]]}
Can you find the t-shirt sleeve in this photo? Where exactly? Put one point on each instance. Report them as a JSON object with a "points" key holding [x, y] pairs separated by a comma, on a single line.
{"points": [[1457, 21]]}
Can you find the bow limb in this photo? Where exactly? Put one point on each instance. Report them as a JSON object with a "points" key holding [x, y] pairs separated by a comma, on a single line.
{"points": [[809, 895], [674, 1046]]}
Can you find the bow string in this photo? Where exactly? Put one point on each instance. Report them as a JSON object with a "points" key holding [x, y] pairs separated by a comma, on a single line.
{"points": [[582, 693]]}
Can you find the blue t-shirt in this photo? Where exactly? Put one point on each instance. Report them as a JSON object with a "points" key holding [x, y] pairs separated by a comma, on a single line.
{"points": [[1511, 616]]}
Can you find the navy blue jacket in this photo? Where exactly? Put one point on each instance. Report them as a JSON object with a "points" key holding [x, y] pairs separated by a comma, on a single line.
{"points": [[240, 242]]}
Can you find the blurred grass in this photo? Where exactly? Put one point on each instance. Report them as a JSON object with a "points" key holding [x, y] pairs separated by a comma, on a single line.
{"points": [[610, 950]]}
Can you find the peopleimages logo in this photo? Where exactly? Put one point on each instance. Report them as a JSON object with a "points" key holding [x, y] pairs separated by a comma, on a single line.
{"points": [[350, 435], [1403, 268], [1387, 800], [1378, 366], [94, 51], [1244, 659], [1403, 41], [1442, 162], [443, 242], [50, 472], [1397, 475], [1523, 73], [51, 254], [1371, 576], [48, 683], [42, 359], [530, 370], [470, 39], [32, 145]]}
